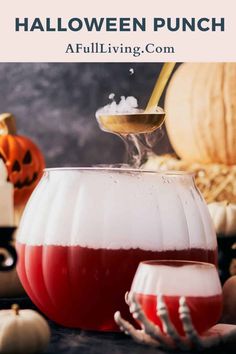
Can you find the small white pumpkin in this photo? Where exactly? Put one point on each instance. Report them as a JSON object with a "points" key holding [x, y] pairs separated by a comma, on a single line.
{"points": [[224, 217], [22, 331]]}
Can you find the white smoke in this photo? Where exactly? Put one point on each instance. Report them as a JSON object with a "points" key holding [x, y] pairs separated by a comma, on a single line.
{"points": [[125, 105]]}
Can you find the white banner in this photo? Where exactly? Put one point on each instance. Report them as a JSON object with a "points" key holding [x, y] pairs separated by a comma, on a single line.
{"points": [[121, 31]]}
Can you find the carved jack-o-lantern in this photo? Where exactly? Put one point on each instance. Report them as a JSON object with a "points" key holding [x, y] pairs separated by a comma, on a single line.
{"points": [[22, 157]]}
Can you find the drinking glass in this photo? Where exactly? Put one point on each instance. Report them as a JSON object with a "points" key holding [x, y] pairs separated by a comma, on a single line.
{"points": [[198, 282]]}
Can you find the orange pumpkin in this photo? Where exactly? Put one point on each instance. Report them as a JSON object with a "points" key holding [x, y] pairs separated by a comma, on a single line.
{"points": [[23, 159]]}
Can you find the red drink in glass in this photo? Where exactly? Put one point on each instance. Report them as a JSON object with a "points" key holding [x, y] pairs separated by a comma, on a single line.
{"points": [[61, 279], [211, 307], [198, 282]]}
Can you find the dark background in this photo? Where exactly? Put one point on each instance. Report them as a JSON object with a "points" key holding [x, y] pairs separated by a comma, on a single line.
{"points": [[55, 106]]}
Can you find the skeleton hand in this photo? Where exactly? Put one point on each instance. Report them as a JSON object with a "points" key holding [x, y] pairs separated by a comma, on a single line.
{"points": [[151, 334]]}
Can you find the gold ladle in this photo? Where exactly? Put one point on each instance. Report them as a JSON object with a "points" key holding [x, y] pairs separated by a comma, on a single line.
{"points": [[144, 122]]}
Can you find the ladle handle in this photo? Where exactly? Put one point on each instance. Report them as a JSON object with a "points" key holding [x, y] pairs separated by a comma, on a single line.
{"points": [[160, 86]]}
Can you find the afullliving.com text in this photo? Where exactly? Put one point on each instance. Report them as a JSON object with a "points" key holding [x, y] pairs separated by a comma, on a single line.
{"points": [[108, 48]]}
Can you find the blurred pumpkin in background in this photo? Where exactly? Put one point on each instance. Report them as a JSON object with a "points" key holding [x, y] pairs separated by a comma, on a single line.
{"points": [[22, 157], [25, 164], [200, 110], [224, 217]]}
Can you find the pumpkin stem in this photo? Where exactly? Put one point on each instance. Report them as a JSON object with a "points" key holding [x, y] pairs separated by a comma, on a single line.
{"points": [[7, 124], [16, 309]]}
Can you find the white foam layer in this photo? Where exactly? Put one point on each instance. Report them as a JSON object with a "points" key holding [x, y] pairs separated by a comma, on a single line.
{"points": [[112, 209], [188, 280], [125, 105]]}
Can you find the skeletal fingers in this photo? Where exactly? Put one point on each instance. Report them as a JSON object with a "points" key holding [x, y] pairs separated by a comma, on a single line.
{"points": [[168, 328], [189, 330], [148, 326], [138, 335], [151, 333]]}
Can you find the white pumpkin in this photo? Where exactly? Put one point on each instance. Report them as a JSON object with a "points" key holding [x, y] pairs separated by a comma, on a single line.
{"points": [[200, 107], [224, 217], [22, 331]]}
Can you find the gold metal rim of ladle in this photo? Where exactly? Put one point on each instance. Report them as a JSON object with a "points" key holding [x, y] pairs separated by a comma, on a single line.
{"points": [[132, 123]]}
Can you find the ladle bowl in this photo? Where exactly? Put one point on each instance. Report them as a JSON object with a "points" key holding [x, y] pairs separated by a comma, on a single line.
{"points": [[131, 123]]}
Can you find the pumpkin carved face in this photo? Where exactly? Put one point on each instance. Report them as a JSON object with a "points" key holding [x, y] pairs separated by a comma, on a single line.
{"points": [[24, 163]]}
